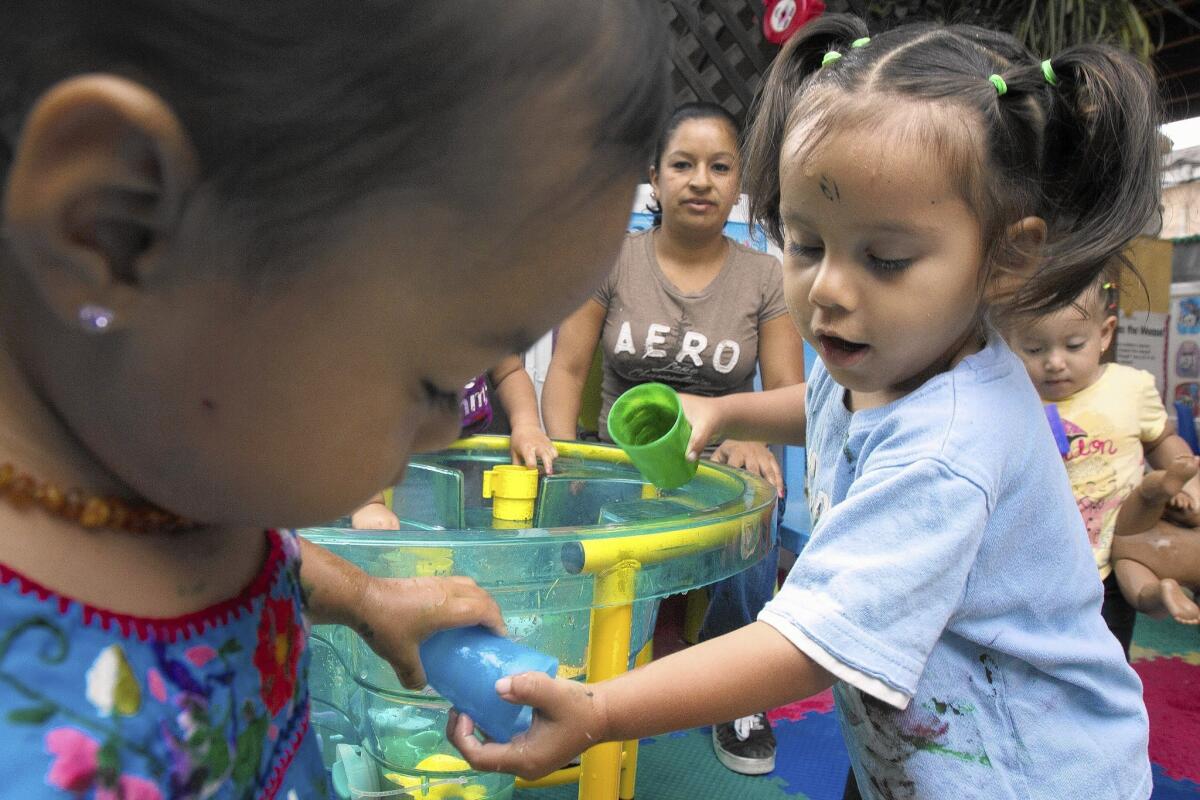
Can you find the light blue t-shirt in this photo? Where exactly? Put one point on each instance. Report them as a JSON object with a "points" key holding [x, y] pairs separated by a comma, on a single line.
{"points": [[949, 568]]}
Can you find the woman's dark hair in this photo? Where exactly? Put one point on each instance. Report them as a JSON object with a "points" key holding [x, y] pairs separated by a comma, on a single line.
{"points": [[685, 112], [1081, 153], [296, 108]]}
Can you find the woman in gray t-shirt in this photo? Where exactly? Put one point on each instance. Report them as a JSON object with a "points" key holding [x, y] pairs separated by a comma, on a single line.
{"points": [[687, 306]]}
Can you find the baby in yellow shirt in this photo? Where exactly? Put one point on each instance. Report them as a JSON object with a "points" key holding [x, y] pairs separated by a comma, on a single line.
{"points": [[1114, 421]]}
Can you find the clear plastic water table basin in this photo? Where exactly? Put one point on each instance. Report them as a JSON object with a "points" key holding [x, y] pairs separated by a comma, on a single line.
{"points": [[599, 541]]}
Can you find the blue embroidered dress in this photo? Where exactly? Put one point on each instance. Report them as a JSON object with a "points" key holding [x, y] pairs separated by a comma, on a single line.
{"points": [[214, 704]]}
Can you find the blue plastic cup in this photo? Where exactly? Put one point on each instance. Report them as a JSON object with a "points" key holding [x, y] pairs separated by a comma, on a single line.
{"points": [[463, 665]]}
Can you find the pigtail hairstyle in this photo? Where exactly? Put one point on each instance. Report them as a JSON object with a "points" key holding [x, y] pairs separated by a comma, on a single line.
{"points": [[1074, 142], [1101, 168], [773, 110]]}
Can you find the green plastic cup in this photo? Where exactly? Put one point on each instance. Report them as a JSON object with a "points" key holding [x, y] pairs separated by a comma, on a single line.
{"points": [[647, 422]]}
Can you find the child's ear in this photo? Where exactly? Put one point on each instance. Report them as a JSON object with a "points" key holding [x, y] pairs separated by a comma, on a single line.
{"points": [[99, 177], [1107, 328], [1021, 257]]}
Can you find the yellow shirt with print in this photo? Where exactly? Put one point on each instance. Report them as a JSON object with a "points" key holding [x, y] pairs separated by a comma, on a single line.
{"points": [[1106, 425]]}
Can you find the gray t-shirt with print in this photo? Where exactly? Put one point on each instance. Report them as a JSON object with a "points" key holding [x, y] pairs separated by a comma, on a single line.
{"points": [[704, 343]]}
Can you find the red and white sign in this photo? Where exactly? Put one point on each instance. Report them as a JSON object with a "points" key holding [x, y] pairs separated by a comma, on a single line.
{"points": [[782, 18]]}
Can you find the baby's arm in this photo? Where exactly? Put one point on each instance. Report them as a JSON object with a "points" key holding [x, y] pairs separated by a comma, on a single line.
{"points": [[516, 394], [776, 415], [1163, 452], [392, 615], [734, 675]]}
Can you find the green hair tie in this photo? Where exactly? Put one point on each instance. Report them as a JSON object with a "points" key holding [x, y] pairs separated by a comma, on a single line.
{"points": [[863, 42], [1048, 73], [998, 82], [830, 57]]}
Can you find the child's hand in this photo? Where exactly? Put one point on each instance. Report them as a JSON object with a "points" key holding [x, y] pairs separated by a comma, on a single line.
{"points": [[569, 718], [529, 443], [397, 614], [704, 415], [754, 457], [375, 516]]}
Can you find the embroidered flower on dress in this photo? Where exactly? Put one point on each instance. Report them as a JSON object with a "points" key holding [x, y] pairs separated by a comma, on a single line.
{"points": [[130, 788], [76, 767], [280, 643], [76, 757], [200, 655], [111, 686], [156, 684], [176, 672], [201, 756]]}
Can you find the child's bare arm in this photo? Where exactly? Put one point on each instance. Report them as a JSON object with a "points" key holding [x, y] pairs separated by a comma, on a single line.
{"points": [[517, 396], [392, 615], [749, 670], [774, 415], [744, 672], [1166, 448]]}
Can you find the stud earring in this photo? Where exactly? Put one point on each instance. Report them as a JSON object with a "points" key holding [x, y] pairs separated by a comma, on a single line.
{"points": [[95, 319]]}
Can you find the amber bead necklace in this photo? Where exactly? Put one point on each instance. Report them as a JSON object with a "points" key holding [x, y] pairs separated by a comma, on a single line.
{"points": [[87, 510]]}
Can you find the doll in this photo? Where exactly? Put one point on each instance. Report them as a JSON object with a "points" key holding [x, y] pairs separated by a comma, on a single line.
{"points": [[1156, 555]]}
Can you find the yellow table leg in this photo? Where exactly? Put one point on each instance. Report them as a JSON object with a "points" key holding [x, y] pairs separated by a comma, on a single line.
{"points": [[629, 764], [560, 777], [608, 656], [693, 614]]}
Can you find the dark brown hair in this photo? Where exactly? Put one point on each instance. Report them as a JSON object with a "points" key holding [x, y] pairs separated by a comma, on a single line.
{"points": [[297, 108], [1082, 154]]}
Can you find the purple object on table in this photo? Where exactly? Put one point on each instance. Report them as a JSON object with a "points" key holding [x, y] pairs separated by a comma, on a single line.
{"points": [[1056, 427], [476, 406]]}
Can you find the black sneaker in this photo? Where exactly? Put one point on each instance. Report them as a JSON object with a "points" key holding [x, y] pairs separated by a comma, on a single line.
{"points": [[746, 745]]}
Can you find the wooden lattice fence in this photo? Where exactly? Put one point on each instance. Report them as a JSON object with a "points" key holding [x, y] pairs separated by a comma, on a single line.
{"points": [[718, 53]]}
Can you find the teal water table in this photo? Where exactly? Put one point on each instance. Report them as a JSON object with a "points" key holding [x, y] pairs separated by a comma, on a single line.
{"points": [[580, 579]]}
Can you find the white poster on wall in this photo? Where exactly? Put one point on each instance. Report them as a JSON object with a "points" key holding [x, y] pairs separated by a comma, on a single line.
{"points": [[1183, 349], [1142, 343]]}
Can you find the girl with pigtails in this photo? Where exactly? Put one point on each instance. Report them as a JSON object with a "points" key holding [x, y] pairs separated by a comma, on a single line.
{"points": [[923, 184]]}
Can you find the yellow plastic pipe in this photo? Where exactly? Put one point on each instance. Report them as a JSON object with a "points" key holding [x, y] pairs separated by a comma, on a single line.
{"points": [[561, 777], [593, 555], [628, 781], [585, 450], [608, 656], [694, 613]]}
